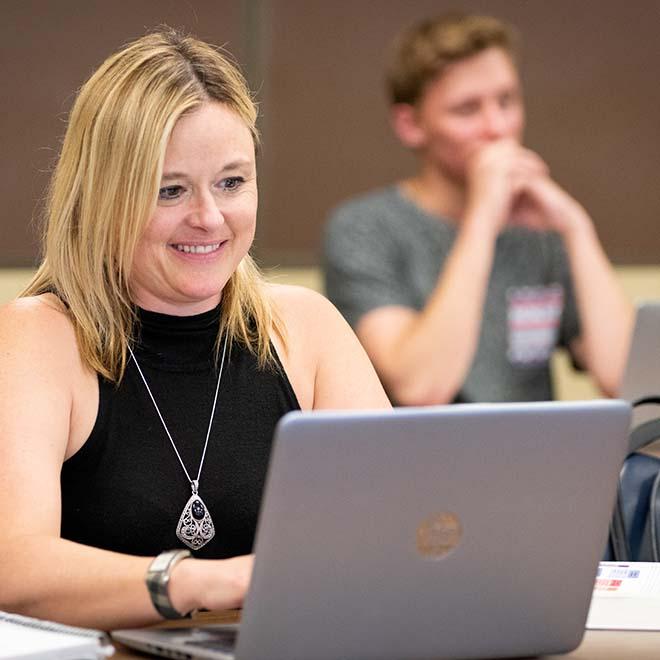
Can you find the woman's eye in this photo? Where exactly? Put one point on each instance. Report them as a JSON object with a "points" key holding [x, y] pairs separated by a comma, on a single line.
{"points": [[232, 182], [169, 193]]}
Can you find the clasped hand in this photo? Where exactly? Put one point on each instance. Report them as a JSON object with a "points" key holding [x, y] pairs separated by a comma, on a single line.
{"points": [[509, 184]]}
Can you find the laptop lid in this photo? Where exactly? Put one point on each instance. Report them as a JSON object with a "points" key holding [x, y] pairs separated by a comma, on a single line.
{"points": [[447, 532], [642, 374], [444, 532]]}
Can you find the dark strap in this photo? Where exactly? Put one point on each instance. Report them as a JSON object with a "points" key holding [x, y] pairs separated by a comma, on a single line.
{"points": [[643, 435], [618, 538], [647, 432], [654, 509], [642, 401], [640, 436]]}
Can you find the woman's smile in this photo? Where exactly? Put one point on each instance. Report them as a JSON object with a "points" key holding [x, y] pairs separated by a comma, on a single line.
{"points": [[204, 220], [199, 249]]}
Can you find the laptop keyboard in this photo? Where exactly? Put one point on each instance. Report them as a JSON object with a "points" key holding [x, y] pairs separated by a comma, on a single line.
{"points": [[215, 641]]}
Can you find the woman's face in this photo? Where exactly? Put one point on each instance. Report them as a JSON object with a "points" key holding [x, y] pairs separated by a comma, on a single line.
{"points": [[205, 217]]}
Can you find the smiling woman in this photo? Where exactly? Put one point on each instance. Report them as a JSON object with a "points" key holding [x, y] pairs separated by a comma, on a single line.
{"points": [[146, 364], [124, 123], [204, 221]]}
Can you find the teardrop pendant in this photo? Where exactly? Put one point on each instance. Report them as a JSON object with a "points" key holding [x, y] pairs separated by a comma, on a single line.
{"points": [[195, 527]]}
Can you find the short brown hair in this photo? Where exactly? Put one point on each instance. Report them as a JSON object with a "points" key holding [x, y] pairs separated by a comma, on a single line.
{"points": [[424, 50]]}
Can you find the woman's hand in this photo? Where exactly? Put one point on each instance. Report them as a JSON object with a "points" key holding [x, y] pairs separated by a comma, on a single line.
{"points": [[210, 584]]}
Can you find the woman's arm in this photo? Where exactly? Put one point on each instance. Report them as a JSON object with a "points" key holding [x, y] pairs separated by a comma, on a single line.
{"points": [[325, 362], [48, 405]]}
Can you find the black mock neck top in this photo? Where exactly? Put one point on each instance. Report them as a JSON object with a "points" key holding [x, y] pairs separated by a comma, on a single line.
{"points": [[125, 489]]}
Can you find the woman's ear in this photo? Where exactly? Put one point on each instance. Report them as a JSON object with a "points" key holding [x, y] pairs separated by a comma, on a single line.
{"points": [[406, 127]]}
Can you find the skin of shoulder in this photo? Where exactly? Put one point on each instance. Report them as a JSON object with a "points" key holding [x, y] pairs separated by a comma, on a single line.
{"points": [[325, 362], [42, 368], [37, 332], [36, 401]]}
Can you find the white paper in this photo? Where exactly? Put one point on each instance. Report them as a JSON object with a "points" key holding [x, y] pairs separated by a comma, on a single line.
{"points": [[626, 596], [23, 637], [22, 642]]}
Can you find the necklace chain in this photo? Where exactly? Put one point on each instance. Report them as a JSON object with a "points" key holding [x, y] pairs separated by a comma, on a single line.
{"points": [[193, 482]]}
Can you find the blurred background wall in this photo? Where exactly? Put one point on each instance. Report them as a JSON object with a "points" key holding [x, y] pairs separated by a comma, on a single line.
{"points": [[591, 71]]}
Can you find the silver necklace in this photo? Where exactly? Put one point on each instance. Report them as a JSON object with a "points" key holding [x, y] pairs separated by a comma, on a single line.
{"points": [[195, 527]]}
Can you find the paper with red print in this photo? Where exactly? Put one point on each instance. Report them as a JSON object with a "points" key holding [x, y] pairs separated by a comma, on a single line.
{"points": [[626, 596]]}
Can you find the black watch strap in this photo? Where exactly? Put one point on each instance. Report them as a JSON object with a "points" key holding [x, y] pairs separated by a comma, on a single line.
{"points": [[158, 580]]}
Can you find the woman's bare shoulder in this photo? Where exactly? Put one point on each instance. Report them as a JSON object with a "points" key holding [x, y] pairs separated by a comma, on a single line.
{"points": [[323, 350], [300, 304], [44, 308], [37, 322]]}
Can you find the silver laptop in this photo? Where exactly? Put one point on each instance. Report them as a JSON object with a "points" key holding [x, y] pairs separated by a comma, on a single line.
{"points": [[464, 531], [642, 374]]}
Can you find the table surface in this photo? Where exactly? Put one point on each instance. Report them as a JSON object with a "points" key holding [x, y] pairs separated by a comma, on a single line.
{"points": [[596, 645]]}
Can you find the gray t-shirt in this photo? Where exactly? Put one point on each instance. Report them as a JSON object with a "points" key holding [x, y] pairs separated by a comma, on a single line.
{"points": [[381, 249]]}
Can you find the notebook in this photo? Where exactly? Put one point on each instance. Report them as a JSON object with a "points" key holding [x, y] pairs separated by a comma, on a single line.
{"points": [[642, 373], [459, 531], [25, 638]]}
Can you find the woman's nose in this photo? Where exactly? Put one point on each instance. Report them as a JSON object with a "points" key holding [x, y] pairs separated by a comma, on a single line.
{"points": [[206, 212]]}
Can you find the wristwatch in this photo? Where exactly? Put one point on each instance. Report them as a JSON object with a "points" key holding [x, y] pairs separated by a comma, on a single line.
{"points": [[158, 579]]}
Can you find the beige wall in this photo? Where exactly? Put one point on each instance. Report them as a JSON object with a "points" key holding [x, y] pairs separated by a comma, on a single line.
{"points": [[639, 282]]}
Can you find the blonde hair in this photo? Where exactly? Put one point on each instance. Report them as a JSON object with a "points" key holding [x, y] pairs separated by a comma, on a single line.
{"points": [[423, 51], [105, 186]]}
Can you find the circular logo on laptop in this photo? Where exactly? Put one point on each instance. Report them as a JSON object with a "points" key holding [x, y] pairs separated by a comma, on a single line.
{"points": [[438, 535]]}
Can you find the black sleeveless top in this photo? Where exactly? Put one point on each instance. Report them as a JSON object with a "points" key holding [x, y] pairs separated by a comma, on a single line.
{"points": [[125, 489]]}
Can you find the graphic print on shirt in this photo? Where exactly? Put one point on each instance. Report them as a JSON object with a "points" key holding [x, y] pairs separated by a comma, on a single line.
{"points": [[533, 316]]}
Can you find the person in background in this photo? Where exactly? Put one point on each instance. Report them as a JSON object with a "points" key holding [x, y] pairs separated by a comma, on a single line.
{"points": [[462, 279], [145, 366]]}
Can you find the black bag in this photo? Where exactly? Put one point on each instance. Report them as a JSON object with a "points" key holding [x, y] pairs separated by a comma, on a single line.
{"points": [[635, 526]]}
